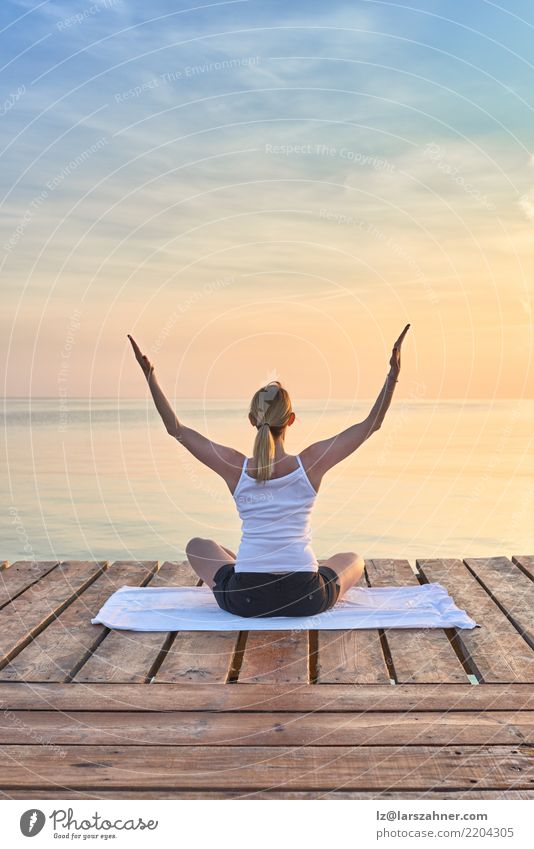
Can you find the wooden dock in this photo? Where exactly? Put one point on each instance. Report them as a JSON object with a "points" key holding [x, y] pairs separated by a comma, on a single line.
{"points": [[91, 713]]}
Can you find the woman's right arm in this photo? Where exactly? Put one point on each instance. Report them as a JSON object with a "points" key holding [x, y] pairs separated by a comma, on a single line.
{"points": [[225, 461], [321, 456]]}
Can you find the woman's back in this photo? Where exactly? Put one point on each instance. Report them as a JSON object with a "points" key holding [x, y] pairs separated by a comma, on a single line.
{"points": [[275, 510], [276, 528]]}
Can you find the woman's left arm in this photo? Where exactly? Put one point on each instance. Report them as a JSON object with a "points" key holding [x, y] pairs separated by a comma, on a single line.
{"points": [[323, 455], [226, 461]]}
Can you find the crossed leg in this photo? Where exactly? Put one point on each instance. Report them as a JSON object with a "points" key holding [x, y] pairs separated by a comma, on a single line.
{"points": [[206, 556], [349, 568]]}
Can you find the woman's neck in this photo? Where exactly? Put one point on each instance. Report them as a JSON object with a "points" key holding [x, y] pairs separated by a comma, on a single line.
{"points": [[279, 449]]}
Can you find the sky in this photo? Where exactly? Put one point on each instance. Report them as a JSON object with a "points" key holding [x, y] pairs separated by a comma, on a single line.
{"points": [[265, 190]]}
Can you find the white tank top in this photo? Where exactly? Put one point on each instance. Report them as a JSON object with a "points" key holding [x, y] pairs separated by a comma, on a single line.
{"points": [[275, 516]]}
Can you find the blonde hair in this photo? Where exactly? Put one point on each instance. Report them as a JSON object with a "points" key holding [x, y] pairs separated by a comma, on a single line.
{"points": [[270, 409]]}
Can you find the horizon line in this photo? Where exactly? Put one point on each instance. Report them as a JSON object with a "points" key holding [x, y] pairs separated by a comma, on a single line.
{"points": [[246, 398]]}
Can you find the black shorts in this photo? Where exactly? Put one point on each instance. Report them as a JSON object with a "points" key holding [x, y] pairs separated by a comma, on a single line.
{"points": [[269, 594]]}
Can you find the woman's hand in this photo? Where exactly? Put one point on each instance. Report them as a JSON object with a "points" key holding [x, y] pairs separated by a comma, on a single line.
{"points": [[395, 361], [142, 359]]}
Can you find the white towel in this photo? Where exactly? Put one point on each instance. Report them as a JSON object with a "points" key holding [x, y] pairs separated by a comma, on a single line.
{"points": [[195, 609]]}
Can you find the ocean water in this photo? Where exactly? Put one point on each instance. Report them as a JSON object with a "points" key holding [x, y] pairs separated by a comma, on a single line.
{"points": [[101, 479]]}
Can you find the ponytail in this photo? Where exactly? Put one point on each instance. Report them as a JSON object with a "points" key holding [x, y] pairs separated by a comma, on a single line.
{"points": [[263, 453], [270, 410]]}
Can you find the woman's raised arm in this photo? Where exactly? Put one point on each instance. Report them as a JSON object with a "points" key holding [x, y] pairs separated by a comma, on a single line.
{"points": [[226, 461], [321, 456], [163, 407]]}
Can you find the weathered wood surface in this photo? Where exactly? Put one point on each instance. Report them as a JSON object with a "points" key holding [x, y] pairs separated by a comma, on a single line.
{"points": [[511, 589], [266, 697], [129, 656], [258, 767], [242, 715], [200, 657], [203, 728], [35, 608], [419, 655], [495, 652], [525, 563], [197, 656], [20, 575], [61, 649], [295, 795], [276, 657], [350, 657]]}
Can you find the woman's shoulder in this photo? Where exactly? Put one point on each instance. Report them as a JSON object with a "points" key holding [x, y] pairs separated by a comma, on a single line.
{"points": [[236, 465], [308, 458]]}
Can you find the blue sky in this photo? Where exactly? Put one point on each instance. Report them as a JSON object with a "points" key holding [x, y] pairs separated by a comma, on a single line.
{"points": [[268, 172]]}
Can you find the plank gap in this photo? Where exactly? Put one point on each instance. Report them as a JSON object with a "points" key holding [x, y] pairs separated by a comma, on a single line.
{"points": [[313, 655], [502, 608], [93, 647], [89, 654], [273, 748], [237, 658], [38, 629], [471, 669], [498, 788], [388, 659], [454, 637], [27, 587], [384, 645], [376, 795], [517, 562], [160, 657]]}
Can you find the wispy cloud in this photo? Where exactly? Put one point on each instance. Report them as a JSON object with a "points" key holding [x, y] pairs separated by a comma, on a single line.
{"points": [[350, 150]]}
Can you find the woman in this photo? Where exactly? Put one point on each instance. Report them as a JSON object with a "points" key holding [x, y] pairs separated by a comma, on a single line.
{"points": [[275, 572]]}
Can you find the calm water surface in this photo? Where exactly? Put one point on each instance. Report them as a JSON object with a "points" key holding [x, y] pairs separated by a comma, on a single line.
{"points": [[102, 479]]}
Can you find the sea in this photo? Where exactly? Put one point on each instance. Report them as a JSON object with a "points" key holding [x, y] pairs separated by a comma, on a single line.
{"points": [[100, 478]]}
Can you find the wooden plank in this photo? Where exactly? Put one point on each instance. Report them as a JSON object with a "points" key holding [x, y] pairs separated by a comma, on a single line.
{"points": [[203, 728], [511, 588], [243, 795], [350, 657], [525, 563], [419, 655], [20, 575], [58, 652], [495, 652], [266, 697], [127, 656], [258, 767], [32, 611], [200, 656], [272, 657]]}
